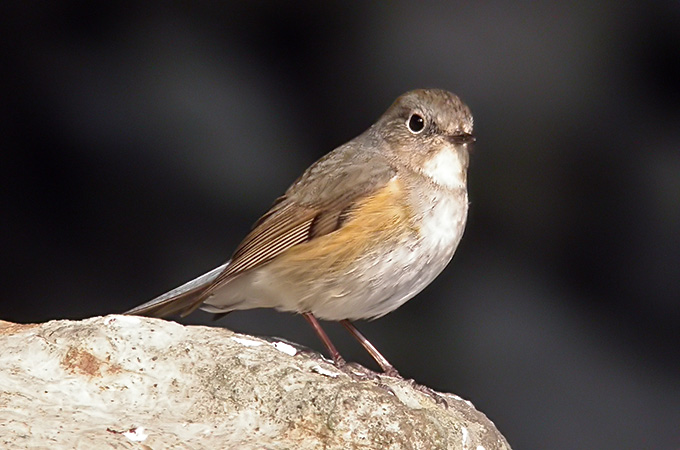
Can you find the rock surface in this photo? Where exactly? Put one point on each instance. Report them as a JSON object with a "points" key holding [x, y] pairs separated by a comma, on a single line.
{"points": [[132, 382]]}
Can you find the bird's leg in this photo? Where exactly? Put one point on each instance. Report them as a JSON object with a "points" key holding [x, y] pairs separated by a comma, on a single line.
{"points": [[389, 368], [370, 348], [337, 359]]}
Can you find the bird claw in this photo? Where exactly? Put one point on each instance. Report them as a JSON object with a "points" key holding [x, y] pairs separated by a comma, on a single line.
{"points": [[357, 371], [434, 395]]}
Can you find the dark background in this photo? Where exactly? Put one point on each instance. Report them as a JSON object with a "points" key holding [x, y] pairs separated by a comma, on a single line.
{"points": [[140, 142]]}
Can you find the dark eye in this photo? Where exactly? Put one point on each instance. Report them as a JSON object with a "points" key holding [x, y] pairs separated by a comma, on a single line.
{"points": [[415, 123]]}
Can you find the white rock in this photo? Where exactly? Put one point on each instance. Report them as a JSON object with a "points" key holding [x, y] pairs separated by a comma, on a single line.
{"points": [[121, 382]]}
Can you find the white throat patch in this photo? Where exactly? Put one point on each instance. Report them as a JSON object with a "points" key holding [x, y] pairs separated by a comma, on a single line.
{"points": [[445, 168]]}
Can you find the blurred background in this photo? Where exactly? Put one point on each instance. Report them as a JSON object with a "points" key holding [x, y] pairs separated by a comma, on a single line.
{"points": [[141, 141]]}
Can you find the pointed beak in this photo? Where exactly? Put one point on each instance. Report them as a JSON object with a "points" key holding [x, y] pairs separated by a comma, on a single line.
{"points": [[462, 138]]}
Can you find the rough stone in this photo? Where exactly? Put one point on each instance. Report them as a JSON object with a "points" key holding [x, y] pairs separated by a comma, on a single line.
{"points": [[132, 382]]}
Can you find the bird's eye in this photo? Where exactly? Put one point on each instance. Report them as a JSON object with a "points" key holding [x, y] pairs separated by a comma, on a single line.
{"points": [[415, 123]]}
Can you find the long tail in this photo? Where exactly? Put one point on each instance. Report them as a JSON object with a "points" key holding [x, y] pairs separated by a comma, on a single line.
{"points": [[183, 300]]}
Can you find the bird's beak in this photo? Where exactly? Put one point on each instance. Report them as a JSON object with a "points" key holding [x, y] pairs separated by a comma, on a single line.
{"points": [[462, 138]]}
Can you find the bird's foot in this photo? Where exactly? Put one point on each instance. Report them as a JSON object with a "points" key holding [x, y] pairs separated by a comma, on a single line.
{"points": [[434, 395], [357, 371]]}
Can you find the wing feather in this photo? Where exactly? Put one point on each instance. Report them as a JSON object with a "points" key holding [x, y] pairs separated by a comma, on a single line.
{"points": [[318, 203]]}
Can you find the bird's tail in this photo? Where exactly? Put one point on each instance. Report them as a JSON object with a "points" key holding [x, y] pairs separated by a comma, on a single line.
{"points": [[182, 300]]}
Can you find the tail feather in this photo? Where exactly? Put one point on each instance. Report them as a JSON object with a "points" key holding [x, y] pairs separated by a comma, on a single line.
{"points": [[183, 300], [180, 304]]}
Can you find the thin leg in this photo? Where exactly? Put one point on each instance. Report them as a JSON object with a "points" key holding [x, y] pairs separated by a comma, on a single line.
{"points": [[337, 359], [380, 359]]}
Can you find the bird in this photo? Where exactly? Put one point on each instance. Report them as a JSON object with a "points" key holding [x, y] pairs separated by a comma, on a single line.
{"points": [[362, 230]]}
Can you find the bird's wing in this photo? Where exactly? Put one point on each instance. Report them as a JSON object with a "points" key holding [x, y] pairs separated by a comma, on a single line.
{"points": [[315, 205]]}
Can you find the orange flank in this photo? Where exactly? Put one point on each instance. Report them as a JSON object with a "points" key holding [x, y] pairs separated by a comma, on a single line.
{"points": [[376, 221]]}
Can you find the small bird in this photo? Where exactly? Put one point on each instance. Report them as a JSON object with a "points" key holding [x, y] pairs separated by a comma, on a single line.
{"points": [[363, 230]]}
